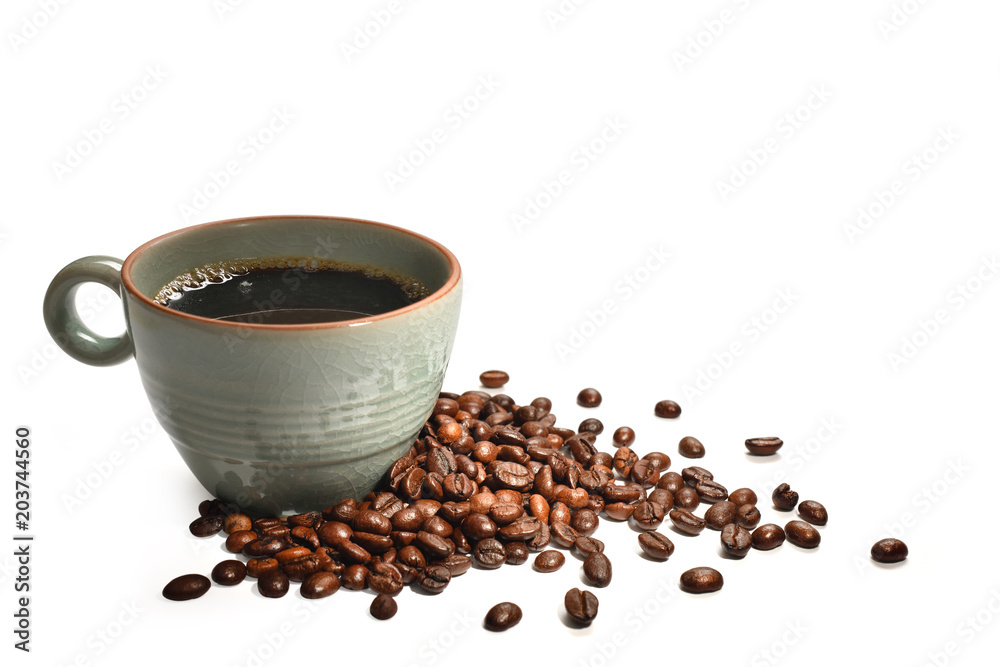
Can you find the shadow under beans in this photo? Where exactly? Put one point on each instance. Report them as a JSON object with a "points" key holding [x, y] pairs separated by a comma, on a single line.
{"points": [[725, 556], [884, 566], [756, 458], [572, 624]]}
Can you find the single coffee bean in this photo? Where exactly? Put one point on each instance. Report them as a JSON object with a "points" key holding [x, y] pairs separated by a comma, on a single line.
{"points": [[671, 481], [265, 546], [478, 526], [273, 584], [187, 586], [763, 446], [736, 540], [517, 553], [549, 561], [457, 564], [784, 498], [813, 512], [383, 607], [332, 533], [597, 569], [584, 546], [236, 522], [889, 550], [588, 398], [258, 566], [563, 534], [687, 498], [659, 460], [747, 516], [591, 425], [236, 541], [647, 515], [644, 473], [213, 506], [353, 553], [656, 545], [585, 522], [619, 511], [801, 534], [320, 585], [302, 568], [721, 514], [522, 530], [502, 617], [767, 537], [385, 579], [207, 525], [433, 545], [408, 573], [494, 379], [412, 556], [701, 580], [661, 497], [489, 554], [434, 578], [667, 409], [304, 536], [355, 578], [691, 447], [743, 496], [686, 522], [623, 436], [710, 491], [623, 461], [511, 475], [694, 474], [229, 572], [506, 513], [581, 606]]}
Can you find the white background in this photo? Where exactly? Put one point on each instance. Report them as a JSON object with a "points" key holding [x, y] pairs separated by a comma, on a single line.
{"points": [[877, 438]]}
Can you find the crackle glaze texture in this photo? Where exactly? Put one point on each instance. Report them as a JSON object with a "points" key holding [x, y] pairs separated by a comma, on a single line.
{"points": [[278, 419]]}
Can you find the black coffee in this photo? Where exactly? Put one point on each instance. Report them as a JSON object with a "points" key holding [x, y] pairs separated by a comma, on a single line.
{"points": [[289, 291]]}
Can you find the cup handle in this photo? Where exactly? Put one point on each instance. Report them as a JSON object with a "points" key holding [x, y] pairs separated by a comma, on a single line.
{"points": [[64, 323]]}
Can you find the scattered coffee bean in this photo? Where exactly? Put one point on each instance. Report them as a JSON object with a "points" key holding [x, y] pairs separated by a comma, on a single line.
{"points": [[736, 540], [584, 546], [355, 578], [383, 607], [719, 515], [581, 606], [187, 587], [229, 572], [710, 491], [549, 561], [494, 379], [671, 481], [258, 566], [690, 447], [694, 474], [591, 425], [659, 460], [667, 410], [517, 553], [236, 522], [647, 515], [589, 398], [320, 585], [747, 516], [686, 522], [813, 512], [889, 550], [273, 584], [686, 498], [385, 579], [207, 525], [434, 578], [784, 498], [623, 436], [661, 497], [656, 545], [743, 496], [597, 569], [763, 446], [502, 617], [701, 580], [489, 554], [801, 534], [767, 537]]}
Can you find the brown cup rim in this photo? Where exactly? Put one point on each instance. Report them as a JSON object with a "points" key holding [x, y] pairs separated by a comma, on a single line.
{"points": [[453, 277]]}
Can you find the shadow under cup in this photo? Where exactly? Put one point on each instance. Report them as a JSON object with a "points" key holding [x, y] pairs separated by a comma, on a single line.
{"points": [[279, 418]]}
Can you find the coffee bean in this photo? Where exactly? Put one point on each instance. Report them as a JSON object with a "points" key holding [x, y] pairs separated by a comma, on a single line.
{"points": [[236, 522], [433, 545], [320, 585], [434, 578], [302, 568], [686, 522], [478, 527], [489, 554], [801, 534], [207, 525], [647, 515], [229, 572], [763, 446], [494, 379], [619, 511], [719, 515], [355, 578], [353, 553], [747, 516], [710, 491], [701, 580], [686, 498], [659, 460], [813, 512], [691, 447], [213, 506], [588, 398], [656, 545], [591, 425], [694, 474], [644, 473], [273, 584], [581, 606], [385, 579], [236, 541], [584, 546], [332, 533], [563, 534], [889, 550], [502, 617], [549, 561], [304, 536], [667, 409], [517, 553], [661, 497], [522, 530], [506, 513], [265, 546], [784, 498], [585, 522], [767, 537], [736, 540], [597, 569], [671, 481], [743, 496], [511, 475], [258, 566], [457, 564], [383, 607], [187, 586], [623, 436]]}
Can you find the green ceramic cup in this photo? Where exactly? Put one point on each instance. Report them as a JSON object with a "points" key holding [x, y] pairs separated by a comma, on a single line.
{"points": [[276, 418]]}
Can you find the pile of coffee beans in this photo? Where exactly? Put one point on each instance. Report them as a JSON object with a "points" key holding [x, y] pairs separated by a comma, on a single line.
{"points": [[488, 481]]}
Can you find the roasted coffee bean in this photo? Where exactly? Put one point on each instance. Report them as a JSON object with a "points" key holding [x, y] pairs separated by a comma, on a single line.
{"points": [[563, 534], [434, 578], [187, 586], [539, 507], [686, 498], [489, 554], [229, 572], [581, 606], [264, 523], [743, 496], [408, 573], [644, 473], [597, 569], [585, 522], [889, 550], [412, 556], [213, 506], [265, 546], [433, 545], [510, 475], [320, 585], [385, 578], [721, 514], [801, 534], [506, 513], [258, 566], [710, 491], [768, 536], [671, 481], [619, 511], [656, 545], [458, 486], [408, 518], [457, 564], [427, 506], [437, 525], [372, 543], [353, 553], [667, 409], [542, 539], [736, 540], [701, 580], [332, 533], [813, 512], [591, 425], [304, 536], [517, 553], [560, 512], [647, 515], [588, 398], [494, 379], [584, 546], [273, 584], [206, 526], [694, 474], [521, 530], [659, 460], [502, 617], [233, 523], [236, 541], [624, 459], [549, 561], [383, 607], [307, 519], [355, 578], [281, 531], [302, 568], [462, 545], [686, 522], [478, 527], [784, 498], [290, 554], [343, 511], [747, 516], [691, 447], [763, 446]]}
